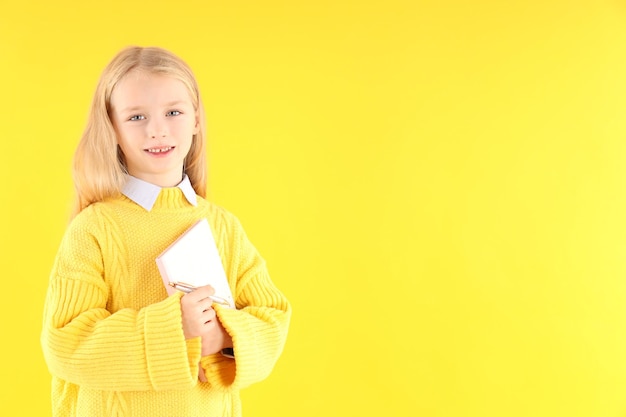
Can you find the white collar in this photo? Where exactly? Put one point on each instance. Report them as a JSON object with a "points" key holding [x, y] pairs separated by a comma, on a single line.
{"points": [[145, 194]]}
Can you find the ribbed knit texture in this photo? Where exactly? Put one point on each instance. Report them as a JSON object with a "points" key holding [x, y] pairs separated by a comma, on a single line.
{"points": [[113, 339]]}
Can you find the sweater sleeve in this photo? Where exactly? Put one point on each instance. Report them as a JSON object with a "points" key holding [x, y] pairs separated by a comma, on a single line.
{"points": [[258, 326], [85, 344]]}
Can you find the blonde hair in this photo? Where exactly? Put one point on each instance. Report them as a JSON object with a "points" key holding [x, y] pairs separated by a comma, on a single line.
{"points": [[99, 165]]}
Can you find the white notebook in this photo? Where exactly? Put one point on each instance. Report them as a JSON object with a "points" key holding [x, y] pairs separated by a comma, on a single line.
{"points": [[193, 259]]}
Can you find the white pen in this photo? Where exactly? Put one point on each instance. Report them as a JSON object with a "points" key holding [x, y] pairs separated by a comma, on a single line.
{"points": [[187, 288]]}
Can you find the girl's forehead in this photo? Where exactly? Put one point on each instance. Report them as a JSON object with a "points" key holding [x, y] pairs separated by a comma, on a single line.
{"points": [[138, 75], [137, 84]]}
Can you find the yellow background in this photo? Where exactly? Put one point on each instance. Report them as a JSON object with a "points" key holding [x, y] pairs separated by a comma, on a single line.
{"points": [[438, 186]]}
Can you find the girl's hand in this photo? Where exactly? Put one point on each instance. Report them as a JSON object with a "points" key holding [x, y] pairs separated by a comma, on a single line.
{"points": [[199, 320]]}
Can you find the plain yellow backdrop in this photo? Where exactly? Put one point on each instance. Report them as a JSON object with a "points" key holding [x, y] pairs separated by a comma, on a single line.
{"points": [[439, 187]]}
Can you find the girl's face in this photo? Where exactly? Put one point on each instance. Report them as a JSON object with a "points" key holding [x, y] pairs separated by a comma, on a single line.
{"points": [[155, 121]]}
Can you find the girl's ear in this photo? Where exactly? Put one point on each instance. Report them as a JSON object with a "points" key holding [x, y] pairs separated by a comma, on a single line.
{"points": [[196, 128]]}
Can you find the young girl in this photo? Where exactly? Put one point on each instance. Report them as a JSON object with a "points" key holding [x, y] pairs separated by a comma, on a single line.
{"points": [[115, 343]]}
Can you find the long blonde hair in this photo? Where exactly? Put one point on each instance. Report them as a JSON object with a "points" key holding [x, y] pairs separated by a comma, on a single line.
{"points": [[99, 165]]}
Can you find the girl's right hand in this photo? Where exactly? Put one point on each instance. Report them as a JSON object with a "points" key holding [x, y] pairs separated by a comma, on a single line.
{"points": [[197, 313]]}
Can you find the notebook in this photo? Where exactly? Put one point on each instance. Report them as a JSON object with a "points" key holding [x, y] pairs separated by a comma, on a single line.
{"points": [[193, 259]]}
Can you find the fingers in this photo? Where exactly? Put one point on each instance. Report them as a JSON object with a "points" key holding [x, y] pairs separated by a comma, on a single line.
{"points": [[200, 293], [200, 311], [197, 318], [198, 307], [208, 315], [197, 312], [199, 296]]}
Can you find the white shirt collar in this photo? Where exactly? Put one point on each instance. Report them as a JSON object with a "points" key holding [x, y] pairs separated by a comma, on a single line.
{"points": [[145, 194]]}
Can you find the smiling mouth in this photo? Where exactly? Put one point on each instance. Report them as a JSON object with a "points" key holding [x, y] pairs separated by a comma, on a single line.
{"points": [[159, 150]]}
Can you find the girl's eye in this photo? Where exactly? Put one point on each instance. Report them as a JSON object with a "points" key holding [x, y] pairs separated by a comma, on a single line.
{"points": [[173, 113], [136, 117]]}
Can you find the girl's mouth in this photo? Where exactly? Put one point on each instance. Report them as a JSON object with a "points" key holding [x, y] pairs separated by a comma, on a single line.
{"points": [[163, 149]]}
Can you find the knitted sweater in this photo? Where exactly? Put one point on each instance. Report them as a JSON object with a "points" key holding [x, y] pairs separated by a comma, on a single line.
{"points": [[112, 338]]}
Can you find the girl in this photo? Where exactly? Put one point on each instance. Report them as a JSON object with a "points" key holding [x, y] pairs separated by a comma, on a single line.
{"points": [[114, 342]]}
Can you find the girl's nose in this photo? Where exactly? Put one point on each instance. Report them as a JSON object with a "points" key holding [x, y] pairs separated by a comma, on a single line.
{"points": [[158, 135], [157, 130]]}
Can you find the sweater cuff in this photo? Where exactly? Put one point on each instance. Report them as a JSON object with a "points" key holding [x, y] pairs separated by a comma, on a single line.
{"points": [[171, 360], [219, 370]]}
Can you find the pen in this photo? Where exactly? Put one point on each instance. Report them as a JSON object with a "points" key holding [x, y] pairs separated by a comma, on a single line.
{"points": [[187, 288]]}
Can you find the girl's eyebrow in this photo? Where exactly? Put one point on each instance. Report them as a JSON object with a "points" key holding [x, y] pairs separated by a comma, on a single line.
{"points": [[175, 103], [132, 109]]}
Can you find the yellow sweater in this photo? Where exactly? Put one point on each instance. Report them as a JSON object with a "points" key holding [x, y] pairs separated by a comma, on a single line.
{"points": [[113, 339]]}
